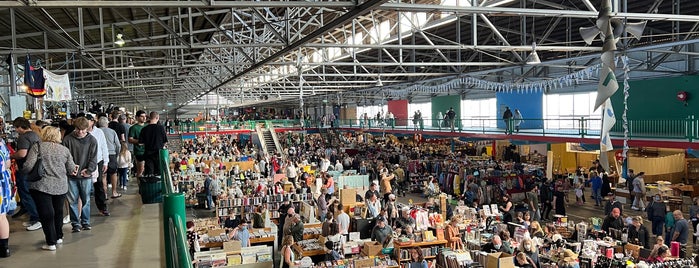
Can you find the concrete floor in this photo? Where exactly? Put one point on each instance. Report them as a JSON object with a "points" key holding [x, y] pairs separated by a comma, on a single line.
{"points": [[130, 237]]}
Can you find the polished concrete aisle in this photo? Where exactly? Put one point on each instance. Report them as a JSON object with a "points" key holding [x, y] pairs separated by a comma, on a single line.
{"points": [[130, 237]]}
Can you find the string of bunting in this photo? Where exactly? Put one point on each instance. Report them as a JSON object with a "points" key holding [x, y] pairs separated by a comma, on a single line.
{"points": [[464, 81]]}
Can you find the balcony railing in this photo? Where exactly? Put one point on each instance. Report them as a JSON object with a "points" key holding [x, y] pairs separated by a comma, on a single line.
{"points": [[670, 129]]}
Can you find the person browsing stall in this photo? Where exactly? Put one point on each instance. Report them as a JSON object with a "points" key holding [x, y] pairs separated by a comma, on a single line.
{"points": [[452, 234], [242, 234], [496, 245], [613, 220], [381, 231]]}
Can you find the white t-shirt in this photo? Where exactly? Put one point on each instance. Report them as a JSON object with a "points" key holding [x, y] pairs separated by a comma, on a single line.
{"points": [[343, 221]]}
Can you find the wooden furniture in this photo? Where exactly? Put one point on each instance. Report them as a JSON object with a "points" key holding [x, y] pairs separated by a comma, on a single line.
{"points": [[308, 253], [422, 245], [691, 173]]}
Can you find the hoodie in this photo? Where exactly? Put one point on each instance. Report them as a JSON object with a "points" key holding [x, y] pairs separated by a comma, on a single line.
{"points": [[84, 152]]}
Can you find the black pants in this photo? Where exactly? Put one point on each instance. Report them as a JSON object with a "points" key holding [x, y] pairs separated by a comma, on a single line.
{"points": [[152, 164], [100, 195], [695, 224], [50, 209], [546, 210]]}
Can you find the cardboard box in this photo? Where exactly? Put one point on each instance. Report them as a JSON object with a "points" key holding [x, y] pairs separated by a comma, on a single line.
{"points": [[500, 260], [372, 248], [348, 196], [364, 262], [232, 246]]}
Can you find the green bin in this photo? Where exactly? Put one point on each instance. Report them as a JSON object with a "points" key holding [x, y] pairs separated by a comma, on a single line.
{"points": [[151, 190]]}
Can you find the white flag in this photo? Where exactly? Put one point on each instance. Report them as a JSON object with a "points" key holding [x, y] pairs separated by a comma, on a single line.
{"points": [[608, 121], [606, 87]]}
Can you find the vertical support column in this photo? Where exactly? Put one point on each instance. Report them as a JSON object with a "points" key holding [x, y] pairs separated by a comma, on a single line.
{"points": [[174, 218]]}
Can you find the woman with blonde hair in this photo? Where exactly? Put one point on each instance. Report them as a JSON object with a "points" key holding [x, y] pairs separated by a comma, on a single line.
{"points": [[452, 233], [287, 253], [536, 231], [529, 249], [124, 163], [49, 191]]}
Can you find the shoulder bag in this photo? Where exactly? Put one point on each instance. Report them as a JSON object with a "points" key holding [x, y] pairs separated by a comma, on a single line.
{"points": [[38, 171]]}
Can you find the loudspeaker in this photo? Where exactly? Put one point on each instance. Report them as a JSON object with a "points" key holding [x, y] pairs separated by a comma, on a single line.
{"points": [[636, 29], [589, 33]]}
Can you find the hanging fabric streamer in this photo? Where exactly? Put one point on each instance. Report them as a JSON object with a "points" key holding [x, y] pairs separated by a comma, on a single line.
{"points": [[625, 122]]}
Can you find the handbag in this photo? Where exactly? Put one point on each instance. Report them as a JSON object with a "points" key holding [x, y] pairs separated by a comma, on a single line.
{"points": [[38, 171]]}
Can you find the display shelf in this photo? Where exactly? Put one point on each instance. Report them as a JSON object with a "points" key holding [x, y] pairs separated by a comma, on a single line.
{"points": [[429, 249], [425, 257], [244, 205]]}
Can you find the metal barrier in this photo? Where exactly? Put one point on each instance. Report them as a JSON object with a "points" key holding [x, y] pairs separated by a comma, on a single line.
{"points": [[174, 216], [674, 129]]}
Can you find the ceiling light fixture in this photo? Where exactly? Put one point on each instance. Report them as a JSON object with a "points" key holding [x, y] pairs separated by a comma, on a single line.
{"points": [[119, 40], [533, 57]]}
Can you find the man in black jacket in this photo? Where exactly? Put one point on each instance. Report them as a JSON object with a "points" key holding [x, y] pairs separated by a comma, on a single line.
{"points": [[613, 220], [507, 117], [545, 197]]}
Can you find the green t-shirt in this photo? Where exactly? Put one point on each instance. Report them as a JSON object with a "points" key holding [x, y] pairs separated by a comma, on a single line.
{"points": [[135, 132]]}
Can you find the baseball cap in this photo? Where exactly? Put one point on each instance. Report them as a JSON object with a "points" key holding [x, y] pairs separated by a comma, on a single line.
{"points": [[90, 116], [380, 218]]}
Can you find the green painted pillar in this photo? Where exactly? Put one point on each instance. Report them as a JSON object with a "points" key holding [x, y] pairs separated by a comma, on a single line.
{"points": [[176, 253]]}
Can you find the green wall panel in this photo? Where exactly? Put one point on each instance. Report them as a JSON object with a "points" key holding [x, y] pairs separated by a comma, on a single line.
{"points": [[442, 104], [654, 110], [656, 98]]}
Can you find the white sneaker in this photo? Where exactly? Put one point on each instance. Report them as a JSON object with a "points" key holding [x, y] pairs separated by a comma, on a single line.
{"points": [[634, 208], [34, 227], [49, 248], [26, 224], [66, 219], [59, 241]]}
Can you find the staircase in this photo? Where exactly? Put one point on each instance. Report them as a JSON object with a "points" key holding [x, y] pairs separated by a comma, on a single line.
{"points": [[268, 140]]}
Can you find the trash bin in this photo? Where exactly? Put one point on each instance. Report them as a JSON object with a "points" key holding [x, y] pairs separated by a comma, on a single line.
{"points": [[151, 190]]}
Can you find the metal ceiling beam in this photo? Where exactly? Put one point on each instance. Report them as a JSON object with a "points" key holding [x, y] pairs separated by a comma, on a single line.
{"points": [[533, 12], [350, 15], [317, 45], [175, 4], [86, 59]]}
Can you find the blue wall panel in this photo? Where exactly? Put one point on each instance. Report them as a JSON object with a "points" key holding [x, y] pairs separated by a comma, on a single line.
{"points": [[531, 105]]}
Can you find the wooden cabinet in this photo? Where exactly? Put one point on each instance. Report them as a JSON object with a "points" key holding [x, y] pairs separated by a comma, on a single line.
{"points": [[691, 171]]}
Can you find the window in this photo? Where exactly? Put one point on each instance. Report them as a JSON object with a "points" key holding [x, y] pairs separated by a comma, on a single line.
{"points": [[425, 109], [479, 113], [564, 111]]}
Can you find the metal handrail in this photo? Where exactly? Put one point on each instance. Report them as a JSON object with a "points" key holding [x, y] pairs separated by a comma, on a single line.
{"points": [[175, 231], [676, 129]]}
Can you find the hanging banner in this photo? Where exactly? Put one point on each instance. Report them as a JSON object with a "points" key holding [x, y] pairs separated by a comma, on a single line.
{"points": [[33, 79], [57, 87]]}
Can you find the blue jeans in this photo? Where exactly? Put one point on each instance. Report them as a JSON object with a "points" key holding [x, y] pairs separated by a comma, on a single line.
{"points": [[25, 197], [79, 189], [209, 201], [597, 194], [123, 175], [657, 225]]}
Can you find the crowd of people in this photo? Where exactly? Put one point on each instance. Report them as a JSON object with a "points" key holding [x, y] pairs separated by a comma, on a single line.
{"points": [[63, 163], [390, 163]]}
